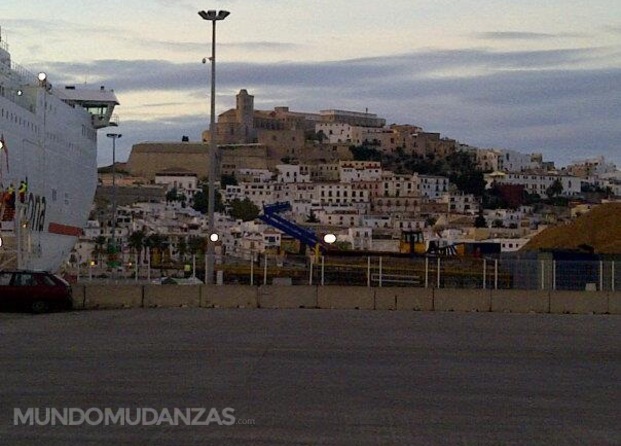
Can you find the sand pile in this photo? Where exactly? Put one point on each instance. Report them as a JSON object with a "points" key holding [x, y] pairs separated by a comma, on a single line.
{"points": [[600, 228]]}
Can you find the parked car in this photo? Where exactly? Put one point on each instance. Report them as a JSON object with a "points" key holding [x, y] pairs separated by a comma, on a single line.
{"points": [[37, 291]]}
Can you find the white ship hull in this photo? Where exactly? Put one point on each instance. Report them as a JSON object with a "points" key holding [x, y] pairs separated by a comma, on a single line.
{"points": [[49, 147]]}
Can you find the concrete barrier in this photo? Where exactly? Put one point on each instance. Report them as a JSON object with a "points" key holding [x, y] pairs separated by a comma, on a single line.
{"points": [[417, 299], [104, 296], [578, 302], [112, 296], [351, 297], [614, 302], [274, 296], [445, 299], [398, 298], [385, 298], [520, 301], [228, 296], [171, 296], [77, 295]]}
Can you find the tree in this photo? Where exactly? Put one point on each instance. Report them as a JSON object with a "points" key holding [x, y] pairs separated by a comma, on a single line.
{"points": [[555, 189], [364, 153], [100, 242], [182, 248], [312, 218], [201, 200], [228, 180], [244, 210], [136, 241], [196, 245], [480, 221], [157, 244], [171, 195]]}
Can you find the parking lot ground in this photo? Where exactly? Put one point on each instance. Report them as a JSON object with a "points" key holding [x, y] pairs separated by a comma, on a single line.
{"points": [[315, 377]]}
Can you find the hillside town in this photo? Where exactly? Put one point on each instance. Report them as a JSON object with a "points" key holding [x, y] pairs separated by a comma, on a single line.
{"points": [[340, 172]]}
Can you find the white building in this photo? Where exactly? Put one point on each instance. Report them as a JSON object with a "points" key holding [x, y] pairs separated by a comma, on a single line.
{"points": [[360, 238], [539, 183], [289, 173], [184, 181], [253, 175], [259, 193], [335, 132], [460, 203], [355, 171], [513, 161]]}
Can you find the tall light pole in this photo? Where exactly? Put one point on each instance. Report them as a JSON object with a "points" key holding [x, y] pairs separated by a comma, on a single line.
{"points": [[114, 137], [213, 16]]}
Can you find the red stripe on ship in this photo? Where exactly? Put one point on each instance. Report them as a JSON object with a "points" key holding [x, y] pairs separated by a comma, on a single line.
{"points": [[57, 228]]}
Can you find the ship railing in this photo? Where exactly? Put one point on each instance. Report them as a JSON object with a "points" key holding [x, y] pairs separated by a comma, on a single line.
{"points": [[20, 75], [114, 120]]}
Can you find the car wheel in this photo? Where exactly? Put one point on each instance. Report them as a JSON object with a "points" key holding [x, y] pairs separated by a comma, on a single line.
{"points": [[39, 306]]}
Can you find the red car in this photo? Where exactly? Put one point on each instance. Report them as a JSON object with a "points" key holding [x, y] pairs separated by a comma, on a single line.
{"points": [[37, 291]]}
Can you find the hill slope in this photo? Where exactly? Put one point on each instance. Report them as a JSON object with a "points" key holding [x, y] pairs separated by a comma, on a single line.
{"points": [[600, 228]]}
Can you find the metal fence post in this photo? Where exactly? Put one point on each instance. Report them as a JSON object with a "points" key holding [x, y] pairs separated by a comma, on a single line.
{"points": [[310, 272], [543, 277], [380, 272], [265, 269], [251, 268], [484, 273], [495, 274], [438, 273], [601, 275], [368, 271], [322, 270], [554, 275], [426, 272]]}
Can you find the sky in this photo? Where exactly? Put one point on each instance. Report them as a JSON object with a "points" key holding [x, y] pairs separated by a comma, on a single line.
{"points": [[531, 76]]}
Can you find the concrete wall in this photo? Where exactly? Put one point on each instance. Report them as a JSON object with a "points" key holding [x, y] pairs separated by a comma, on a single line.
{"points": [[353, 297], [112, 296], [274, 296], [398, 298], [520, 301], [230, 296], [171, 296], [463, 300], [94, 296], [77, 294], [614, 303], [576, 302]]}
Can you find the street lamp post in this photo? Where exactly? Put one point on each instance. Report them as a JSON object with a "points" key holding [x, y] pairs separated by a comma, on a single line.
{"points": [[114, 137], [213, 16]]}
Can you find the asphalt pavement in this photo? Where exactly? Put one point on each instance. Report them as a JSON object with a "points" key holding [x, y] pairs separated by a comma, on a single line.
{"points": [[308, 377]]}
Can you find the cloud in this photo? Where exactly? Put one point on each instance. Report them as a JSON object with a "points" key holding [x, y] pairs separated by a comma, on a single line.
{"points": [[152, 75], [521, 35], [561, 102]]}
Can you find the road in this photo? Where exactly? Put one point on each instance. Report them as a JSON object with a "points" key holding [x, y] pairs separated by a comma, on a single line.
{"points": [[313, 377]]}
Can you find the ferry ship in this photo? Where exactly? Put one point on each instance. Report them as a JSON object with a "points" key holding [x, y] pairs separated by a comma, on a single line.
{"points": [[48, 164]]}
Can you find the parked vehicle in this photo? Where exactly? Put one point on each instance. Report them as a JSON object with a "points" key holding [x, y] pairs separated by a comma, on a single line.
{"points": [[36, 291]]}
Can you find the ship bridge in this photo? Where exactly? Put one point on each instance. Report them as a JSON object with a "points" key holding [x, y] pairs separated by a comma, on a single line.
{"points": [[99, 103]]}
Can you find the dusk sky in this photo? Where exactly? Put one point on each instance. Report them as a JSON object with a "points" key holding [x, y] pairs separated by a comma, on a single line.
{"points": [[531, 76]]}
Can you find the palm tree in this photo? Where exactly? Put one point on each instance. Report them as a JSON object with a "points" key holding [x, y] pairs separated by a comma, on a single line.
{"points": [[182, 249], [196, 245], [157, 243], [136, 242], [100, 242]]}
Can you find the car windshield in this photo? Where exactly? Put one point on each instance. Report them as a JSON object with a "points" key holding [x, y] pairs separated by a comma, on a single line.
{"points": [[47, 280], [60, 279]]}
